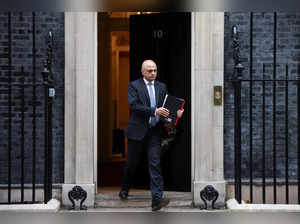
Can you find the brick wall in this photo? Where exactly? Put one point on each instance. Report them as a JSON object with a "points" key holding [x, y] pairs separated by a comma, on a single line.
{"points": [[288, 52], [22, 44]]}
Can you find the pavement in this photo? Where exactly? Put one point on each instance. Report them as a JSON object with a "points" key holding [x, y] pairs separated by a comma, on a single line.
{"points": [[144, 215], [137, 210]]}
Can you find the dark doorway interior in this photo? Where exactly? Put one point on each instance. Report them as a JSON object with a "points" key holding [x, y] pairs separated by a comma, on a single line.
{"points": [[113, 111], [166, 38]]}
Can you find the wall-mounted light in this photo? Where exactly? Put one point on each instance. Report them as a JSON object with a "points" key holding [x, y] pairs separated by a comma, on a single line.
{"points": [[234, 31]]}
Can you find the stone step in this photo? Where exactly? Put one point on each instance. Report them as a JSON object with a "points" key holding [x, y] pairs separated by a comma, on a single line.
{"points": [[142, 200]]}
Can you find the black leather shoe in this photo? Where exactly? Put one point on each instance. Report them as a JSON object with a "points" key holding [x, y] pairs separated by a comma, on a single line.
{"points": [[157, 206], [123, 195]]}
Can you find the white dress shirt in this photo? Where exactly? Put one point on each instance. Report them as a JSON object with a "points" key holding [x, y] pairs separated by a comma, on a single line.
{"points": [[152, 86], [153, 89]]}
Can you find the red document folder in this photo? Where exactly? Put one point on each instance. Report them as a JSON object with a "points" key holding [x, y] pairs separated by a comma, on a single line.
{"points": [[173, 104]]}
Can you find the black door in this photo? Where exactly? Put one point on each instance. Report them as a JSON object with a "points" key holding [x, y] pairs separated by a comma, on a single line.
{"points": [[166, 38]]}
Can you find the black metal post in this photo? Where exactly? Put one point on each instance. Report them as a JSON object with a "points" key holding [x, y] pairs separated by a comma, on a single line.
{"points": [[298, 133], [22, 135], [9, 106], [33, 108], [251, 116], [49, 94], [263, 141], [237, 140], [274, 111], [46, 179], [287, 135], [238, 68]]}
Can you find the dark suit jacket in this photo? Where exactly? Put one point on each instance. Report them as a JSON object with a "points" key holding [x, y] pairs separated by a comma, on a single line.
{"points": [[140, 110]]}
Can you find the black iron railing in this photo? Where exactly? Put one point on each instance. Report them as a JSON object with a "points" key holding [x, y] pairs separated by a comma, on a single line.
{"points": [[238, 90], [30, 149], [274, 85]]}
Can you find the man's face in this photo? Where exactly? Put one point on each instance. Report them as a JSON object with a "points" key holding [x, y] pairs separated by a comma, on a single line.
{"points": [[149, 71]]}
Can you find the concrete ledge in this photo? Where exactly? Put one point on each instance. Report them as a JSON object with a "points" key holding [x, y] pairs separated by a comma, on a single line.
{"points": [[52, 206], [233, 205], [142, 210]]}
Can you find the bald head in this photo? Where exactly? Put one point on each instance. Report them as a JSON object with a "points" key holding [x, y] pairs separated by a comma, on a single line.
{"points": [[147, 63], [149, 70]]}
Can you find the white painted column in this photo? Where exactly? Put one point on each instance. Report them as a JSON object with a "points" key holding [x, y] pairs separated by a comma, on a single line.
{"points": [[80, 103], [207, 119]]}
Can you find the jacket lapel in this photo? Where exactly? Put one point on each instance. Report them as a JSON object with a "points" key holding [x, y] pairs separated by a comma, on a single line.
{"points": [[145, 90], [156, 92]]}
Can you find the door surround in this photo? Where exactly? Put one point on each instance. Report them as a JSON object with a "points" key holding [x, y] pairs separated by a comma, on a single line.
{"points": [[81, 103]]}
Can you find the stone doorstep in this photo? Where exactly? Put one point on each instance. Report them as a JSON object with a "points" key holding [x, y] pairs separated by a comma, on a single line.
{"points": [[52, 206], [142, 200], [131, 203], [234, 206], [144, 196]]}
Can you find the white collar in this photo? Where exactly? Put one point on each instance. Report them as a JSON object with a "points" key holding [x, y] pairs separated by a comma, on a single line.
{"points": [[146, 82]]}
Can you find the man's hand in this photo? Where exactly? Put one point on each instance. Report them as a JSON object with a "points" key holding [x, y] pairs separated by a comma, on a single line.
{"points": [[162, 112], [180, 113]]}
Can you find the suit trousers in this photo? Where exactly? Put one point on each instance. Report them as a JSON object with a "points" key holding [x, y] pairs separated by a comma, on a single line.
{"points": [[151, 143]]}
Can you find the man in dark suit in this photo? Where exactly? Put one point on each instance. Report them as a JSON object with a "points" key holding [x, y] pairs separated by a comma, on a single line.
{"points": [[145, 98]]}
